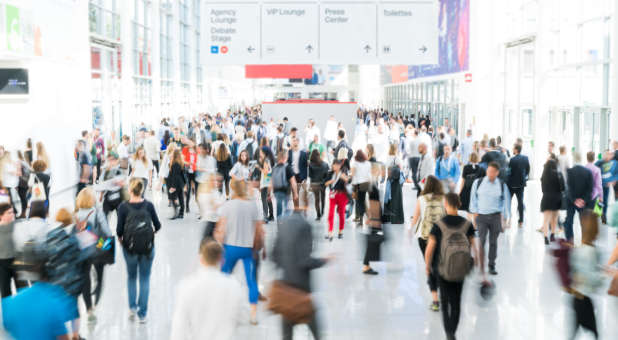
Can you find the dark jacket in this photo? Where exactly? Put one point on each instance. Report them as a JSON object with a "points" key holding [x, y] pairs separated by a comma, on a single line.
{"points": [[292, 252], [176, 177], [343, 144], [519, 169], [302, 164], [317, 173], [579, 184]]}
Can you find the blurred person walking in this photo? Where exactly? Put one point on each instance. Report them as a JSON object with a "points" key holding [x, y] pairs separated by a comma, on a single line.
{"points": [[519, 169], [7, 250], [338, 197], [552, 186], [318, 171]]}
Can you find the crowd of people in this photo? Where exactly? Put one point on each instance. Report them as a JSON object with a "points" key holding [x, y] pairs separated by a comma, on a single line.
{"points": [[233, 166]]}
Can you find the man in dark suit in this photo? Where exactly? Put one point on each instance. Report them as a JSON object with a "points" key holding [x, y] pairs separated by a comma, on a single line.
{"points": [[292, 253], [297, 159], [579, 193], [519, 167], [341, 143]]}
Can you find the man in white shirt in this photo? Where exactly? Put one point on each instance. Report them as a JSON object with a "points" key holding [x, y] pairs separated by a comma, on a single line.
{"points": [[311, 131], [426, 165], [123, 148], [152, 147], [465, 149], [208, 303]]}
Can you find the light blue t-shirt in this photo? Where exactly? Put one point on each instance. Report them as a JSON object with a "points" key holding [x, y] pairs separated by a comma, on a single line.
{"points": [[38, 312]]}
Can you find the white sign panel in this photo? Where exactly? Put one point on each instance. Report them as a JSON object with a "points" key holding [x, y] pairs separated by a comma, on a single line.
{"points": [[348, 32], [408, 33], [290, 33], [232, 34]]}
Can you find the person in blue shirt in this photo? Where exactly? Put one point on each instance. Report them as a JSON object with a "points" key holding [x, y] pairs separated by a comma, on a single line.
{"points": [[447, 169], [490, 203], [609, 175]]}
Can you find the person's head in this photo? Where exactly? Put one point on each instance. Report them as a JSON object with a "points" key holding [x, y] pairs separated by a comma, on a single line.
{"points": [[360, 156], [474, 158], [205, 149], [493, 170], [282, 156], [38, 210], [517, 149], [126, 140], [492, 143], [469, 133], [452, 203], [590, 227], [316, 139], [422, 148], [550, 165], [590, 156], [315, 157], [140, 154], [136, 187], [577, 157], [84, 134], [340, 135], [239, 189], [211, 252], [608, 155], [85, 199], [441, 135], [550, 147], [447, 151], [370, 151], [392, 150], [337, 164], [64, 217], [222, 153], [7, 215], [243, 158], [96, 132], [295, 143], [433, 186], [293, 131], [562, 150], [39, 165], [499, 140]]}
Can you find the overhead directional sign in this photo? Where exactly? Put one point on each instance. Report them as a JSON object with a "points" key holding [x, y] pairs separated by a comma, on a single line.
{"points": [[231, 36], [321, 31], [290, 33], [348, 32]]}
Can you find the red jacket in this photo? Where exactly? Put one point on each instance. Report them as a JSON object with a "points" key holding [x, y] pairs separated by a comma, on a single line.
{"points": [[190, 158]]}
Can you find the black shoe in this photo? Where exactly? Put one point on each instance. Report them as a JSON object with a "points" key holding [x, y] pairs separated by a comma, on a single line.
{"points": [[450, 336], [492, 270], [271, 218], [603, 220], [174, 217], [187, 210], [329, 237], [546, 240], [370, 271], [552, 238], [340, 236]]}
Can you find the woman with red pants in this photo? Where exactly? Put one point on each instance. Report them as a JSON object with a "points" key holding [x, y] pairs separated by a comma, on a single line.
{"points": [[338, 196]]}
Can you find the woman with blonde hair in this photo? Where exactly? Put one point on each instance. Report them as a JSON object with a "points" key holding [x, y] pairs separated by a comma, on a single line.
{"points": [[236, 229], [141, 167], [91, 218], [137, 264], [176, 183], [41, 154]]}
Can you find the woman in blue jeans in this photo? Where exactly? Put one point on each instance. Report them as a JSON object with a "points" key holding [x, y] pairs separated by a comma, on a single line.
{"points": [[137, 264], [238, 223]]}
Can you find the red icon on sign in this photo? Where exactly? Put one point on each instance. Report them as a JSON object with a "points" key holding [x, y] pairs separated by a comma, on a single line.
{"points": [[224, 49]]}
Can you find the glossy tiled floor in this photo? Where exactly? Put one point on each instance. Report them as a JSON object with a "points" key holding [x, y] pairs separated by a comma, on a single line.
{"points": [[394, 305]]}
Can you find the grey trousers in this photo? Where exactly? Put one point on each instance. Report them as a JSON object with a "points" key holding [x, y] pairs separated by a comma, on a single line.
{"points": [[288, 329], [492, 225]]}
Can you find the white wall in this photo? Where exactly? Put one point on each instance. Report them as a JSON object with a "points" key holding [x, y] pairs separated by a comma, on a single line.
{"points": [[58, 106]]}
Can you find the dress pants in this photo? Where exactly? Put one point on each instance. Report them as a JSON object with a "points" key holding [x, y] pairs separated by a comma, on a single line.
{"points": [[489, 225], [519, 193], [450, 296]]}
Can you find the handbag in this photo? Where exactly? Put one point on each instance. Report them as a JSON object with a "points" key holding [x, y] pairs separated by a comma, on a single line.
{"points": [[38, 191], [613, 286], [293, 304], [598, 208], [105, 250]]}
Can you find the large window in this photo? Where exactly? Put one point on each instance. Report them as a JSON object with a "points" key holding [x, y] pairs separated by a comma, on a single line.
{"points": [[166, 54], [142, 38], [104, 19], [183, 39], [197, 27]]}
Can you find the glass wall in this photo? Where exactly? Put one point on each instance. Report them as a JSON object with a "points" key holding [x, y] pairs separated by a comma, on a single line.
{"points": [[142, 73]]}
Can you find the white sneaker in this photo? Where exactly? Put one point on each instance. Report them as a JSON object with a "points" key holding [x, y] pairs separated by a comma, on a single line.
{"points": [[132, 314], [143, 320]]}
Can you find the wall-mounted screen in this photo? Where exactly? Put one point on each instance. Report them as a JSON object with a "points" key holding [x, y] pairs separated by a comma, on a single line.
{"points": [[14, 81]]}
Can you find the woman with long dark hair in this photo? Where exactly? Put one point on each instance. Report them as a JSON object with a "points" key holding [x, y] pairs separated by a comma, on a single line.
{"points": [[361, 176], [338, 196], [176, 183], [552, 186], [224, 165], [318, 170], [264, 167]]}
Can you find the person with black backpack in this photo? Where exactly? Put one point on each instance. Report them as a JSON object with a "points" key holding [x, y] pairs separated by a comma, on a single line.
{"points": [[137, 224], [449, 257], [282, 181]]}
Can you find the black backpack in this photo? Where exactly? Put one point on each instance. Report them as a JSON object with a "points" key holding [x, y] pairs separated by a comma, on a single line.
{"points": [[63, 261], [249, 149], [138, 237]]}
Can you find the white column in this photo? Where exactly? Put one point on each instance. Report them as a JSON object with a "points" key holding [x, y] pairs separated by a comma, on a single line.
{"points": [[155, 55], [127, 87], [613, 127]]}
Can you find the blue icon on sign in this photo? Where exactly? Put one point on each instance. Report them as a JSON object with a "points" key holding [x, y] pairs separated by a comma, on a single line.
{"points": [[214, 49]]}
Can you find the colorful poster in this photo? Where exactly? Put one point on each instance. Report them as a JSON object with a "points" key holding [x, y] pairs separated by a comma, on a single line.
{"points": [[453, 42]]}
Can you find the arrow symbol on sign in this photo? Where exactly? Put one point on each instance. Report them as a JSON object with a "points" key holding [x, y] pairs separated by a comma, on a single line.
{"points": [[250, 49], [423, 49], [309, 48], [367, 48]]}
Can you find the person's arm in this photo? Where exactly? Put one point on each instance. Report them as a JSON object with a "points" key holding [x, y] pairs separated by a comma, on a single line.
{"points": [[416, 215], [304, 248], [613, 258], [219, 233], [431, 247], [456, 172], [506, 202], [122, 216], [154, 217], [473, 197], [102, 221]]}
